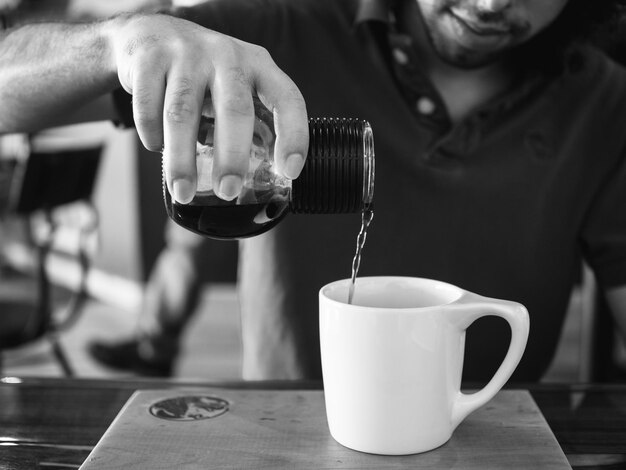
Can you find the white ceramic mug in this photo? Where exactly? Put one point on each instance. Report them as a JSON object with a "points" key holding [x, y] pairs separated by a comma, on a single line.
{"points": [[392, 360]]}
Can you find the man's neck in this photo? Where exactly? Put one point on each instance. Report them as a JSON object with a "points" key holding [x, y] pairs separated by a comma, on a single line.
{"points": [[465, 91], [462, 90]]}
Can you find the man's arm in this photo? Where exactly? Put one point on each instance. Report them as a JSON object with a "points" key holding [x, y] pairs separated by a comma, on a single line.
{"points": [[169, 65], [48, 72]]}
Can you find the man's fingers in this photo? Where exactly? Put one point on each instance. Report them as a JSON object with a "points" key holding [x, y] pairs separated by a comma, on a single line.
{"points": [[283, 97], [170, 64], [181, 118], [234, 125], [148, 91]]}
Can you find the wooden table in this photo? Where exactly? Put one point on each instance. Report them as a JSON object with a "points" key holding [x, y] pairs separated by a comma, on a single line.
{"points": [[54, 423]]}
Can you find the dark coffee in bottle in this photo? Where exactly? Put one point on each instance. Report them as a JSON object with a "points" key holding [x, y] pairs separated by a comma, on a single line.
{"points": [[224, 220]]}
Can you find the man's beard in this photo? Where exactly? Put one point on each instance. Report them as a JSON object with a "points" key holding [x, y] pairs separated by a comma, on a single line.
{"points": [[457, 54]]}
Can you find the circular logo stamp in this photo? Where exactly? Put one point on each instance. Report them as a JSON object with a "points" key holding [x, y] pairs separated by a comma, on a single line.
{"points": [[189, 408]]}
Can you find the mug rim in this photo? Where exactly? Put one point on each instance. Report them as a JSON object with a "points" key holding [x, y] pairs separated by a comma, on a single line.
{"points": [[459, 292]]}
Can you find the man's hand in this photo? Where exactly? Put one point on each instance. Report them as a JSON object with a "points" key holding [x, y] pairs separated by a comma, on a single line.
{"points": [[169, 65]]}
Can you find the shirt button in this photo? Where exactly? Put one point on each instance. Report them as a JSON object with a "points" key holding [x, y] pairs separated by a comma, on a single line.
{"points": [[425, 106], [400, 56]]}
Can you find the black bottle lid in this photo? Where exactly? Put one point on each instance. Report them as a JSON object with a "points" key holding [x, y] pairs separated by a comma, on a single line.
{"points": [[338, 176]]}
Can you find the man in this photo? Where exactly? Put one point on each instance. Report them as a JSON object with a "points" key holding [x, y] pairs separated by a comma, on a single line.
{"points": [[499, 145]]}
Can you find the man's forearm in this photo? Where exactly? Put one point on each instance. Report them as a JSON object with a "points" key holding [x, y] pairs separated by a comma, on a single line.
{"points": [[48, 71], [169, 65]]}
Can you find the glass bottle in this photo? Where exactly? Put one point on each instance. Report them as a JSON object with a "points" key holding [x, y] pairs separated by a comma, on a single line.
{"points": [[338, 177]]}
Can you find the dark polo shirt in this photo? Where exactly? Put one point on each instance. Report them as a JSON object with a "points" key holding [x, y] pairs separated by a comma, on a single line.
{"points": [[503, 204]]}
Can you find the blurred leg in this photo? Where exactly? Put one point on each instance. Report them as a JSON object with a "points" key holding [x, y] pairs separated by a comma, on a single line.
{"points": [[171, 294], [170, 298]]}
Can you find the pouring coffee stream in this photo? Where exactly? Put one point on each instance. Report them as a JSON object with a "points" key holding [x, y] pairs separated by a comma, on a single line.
{"points": [[366, 219]]}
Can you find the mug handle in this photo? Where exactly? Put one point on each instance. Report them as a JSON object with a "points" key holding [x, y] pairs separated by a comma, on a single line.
{"points": [[471, 307]]}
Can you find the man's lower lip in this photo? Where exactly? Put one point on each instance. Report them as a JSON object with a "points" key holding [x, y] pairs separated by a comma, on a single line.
{"points": [[480, 31], [478, 38]]}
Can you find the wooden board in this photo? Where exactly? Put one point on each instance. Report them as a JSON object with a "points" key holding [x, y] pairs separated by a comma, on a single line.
{"points": [[255, 429]]}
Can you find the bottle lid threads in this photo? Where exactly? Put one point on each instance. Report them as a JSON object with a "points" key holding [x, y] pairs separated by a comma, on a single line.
{"points": [[338, 176]]}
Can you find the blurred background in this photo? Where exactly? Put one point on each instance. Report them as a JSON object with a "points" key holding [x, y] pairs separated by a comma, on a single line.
{"points": [[124, 186], [109, 231]]}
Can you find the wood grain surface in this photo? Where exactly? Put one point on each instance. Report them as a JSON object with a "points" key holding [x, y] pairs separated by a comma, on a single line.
{"points": [[274, 429]]}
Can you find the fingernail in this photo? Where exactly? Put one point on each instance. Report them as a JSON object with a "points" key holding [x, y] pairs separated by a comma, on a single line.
{"points": [[183, 191], [294, 165], [230, 187]]}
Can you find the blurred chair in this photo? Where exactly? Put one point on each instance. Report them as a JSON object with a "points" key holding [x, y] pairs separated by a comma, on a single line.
{"points": [[36, 183]]}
